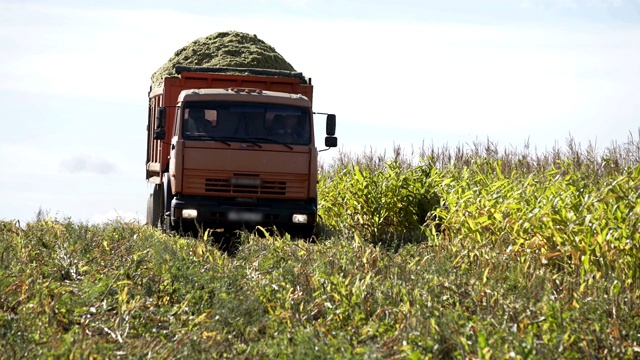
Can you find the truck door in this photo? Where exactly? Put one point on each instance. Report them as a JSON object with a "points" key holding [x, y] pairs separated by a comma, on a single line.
{"points": [[175, 157]]}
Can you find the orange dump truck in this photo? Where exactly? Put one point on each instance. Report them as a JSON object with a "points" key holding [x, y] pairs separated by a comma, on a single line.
{"points": [[231, 151]]}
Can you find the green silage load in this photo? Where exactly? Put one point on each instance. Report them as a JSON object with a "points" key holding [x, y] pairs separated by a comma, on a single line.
{"points": [[228, 49]]}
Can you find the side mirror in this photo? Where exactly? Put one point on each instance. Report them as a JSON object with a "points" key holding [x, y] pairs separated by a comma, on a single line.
{"points": [[161, 118], [331, 124], [159, 134], [331, 141]]}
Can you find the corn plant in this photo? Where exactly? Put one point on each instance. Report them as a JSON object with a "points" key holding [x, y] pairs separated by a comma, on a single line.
{"points": [[378, 203]]}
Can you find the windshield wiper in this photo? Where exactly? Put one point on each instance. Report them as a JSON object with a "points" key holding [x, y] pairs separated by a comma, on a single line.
{"points": [[201, 136], [271, 140], [235, 139], [227, 139], [253, 142]]}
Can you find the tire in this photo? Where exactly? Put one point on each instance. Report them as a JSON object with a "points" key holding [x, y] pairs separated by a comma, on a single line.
{"points": [[167, 196], [150, 210], [156, 206]]}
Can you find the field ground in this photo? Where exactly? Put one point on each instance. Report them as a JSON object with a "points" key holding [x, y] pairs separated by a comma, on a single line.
{"points": [[460, 254]]}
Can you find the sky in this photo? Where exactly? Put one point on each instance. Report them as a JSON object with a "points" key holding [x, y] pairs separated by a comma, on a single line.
{"points": [[76, 74]]}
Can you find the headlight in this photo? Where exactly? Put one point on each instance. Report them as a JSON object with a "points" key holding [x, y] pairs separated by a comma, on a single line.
{"points": [[189, 213], [299, 218]]}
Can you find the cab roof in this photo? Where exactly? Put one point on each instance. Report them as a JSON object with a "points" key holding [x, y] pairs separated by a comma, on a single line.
{"points": [[244, 94]]}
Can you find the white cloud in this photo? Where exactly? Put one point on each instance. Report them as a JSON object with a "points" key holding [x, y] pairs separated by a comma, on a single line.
{"points": [[566, 3], [458, 73], [28, 160], [576, 4], [88, 164], [450, 76], [601, 3], [113, 55]]}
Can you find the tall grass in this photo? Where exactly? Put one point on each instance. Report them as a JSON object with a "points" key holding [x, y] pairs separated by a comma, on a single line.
{"points": [[470, 253], [570, 216]]}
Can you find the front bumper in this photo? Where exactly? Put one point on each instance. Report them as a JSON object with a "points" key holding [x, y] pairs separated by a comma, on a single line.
{"points": [[241, 213]]}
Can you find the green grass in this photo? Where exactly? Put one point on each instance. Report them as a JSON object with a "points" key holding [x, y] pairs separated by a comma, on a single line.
{"points": [[525, 256]]}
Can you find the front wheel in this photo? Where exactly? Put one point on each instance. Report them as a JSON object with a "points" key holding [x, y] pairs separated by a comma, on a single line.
{"points": [[155, 207], [167, 196], [150, 210]]}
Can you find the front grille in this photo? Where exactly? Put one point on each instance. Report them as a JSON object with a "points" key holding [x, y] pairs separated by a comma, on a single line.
{"points": [[225, 186], [245, 186]]}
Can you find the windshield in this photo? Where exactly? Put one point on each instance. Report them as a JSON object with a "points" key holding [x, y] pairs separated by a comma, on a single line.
{"points": [[228, 122]]}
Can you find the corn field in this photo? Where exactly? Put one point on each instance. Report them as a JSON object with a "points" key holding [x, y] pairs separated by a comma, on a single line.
{"points": [[472, 252]]}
